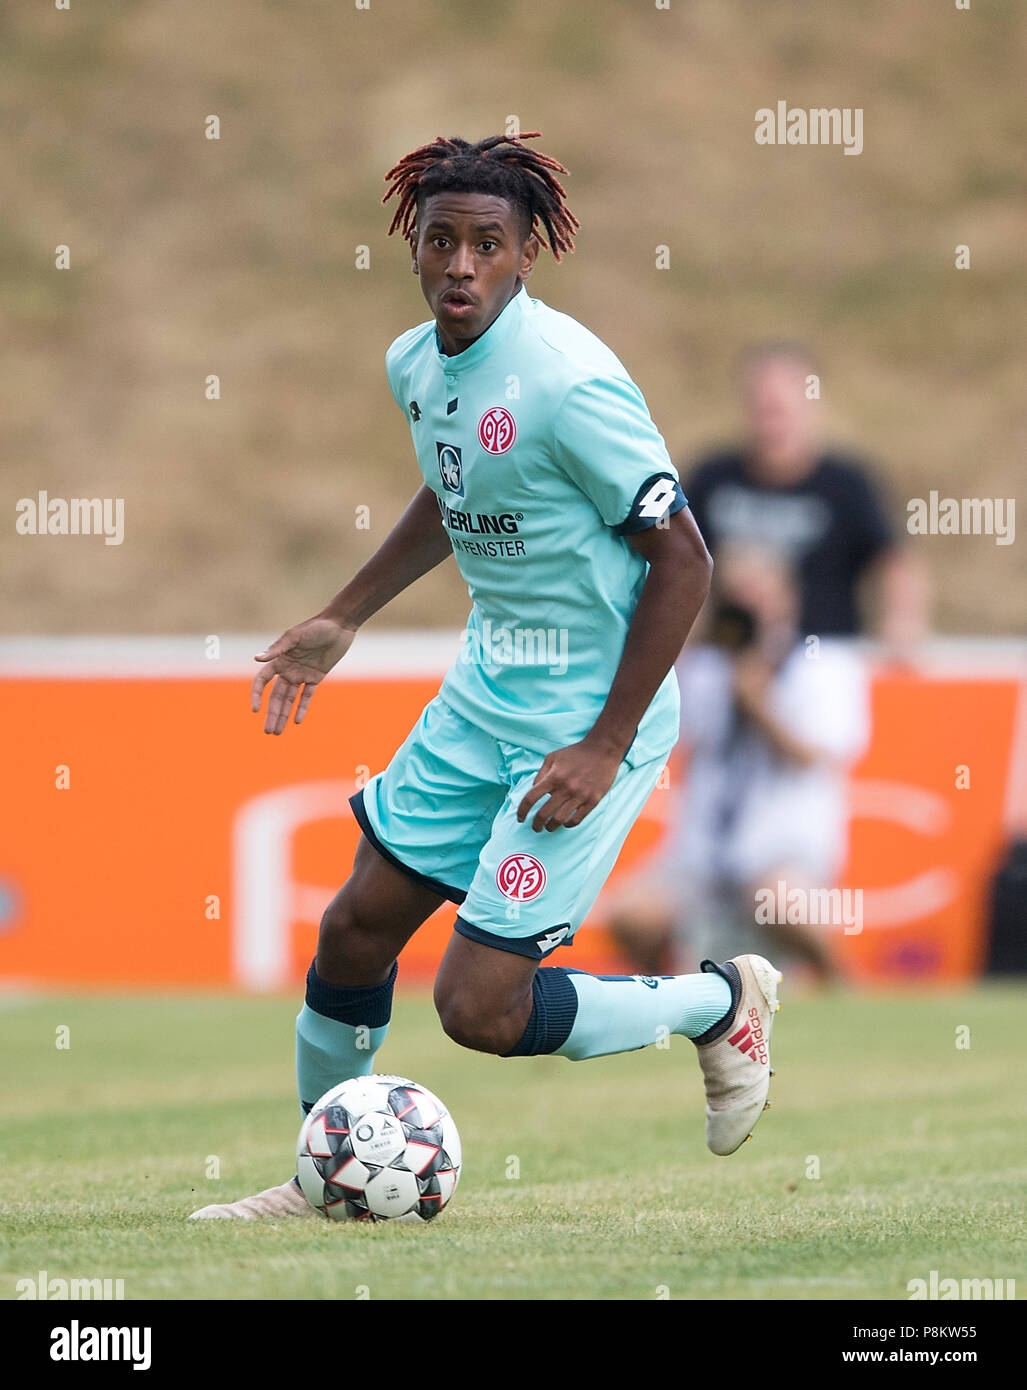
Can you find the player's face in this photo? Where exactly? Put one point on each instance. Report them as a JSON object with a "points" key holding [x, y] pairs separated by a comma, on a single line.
{"points": [[471, 257], [782, 422]]}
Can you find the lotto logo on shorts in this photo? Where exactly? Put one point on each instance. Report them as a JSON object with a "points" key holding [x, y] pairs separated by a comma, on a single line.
{"points": [[496, 430], [521, 877]]}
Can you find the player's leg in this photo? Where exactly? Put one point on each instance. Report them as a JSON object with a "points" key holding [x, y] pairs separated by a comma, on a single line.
{"points": [[348, 1002], [345, 1014], [528, 896], [484, 996], [423, 820], [494, 1000]]}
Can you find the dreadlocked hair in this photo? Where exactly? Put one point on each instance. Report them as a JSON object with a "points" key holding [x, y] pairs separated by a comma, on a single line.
{"points": [[501, 165]]}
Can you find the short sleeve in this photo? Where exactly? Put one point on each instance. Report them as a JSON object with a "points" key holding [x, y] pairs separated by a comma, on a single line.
{"points": [[607, 444], [392, 374]]}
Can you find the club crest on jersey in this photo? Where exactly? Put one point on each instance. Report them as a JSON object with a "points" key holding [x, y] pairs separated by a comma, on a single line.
{"points": [[497, 430], [521, 877], [451, 468]]}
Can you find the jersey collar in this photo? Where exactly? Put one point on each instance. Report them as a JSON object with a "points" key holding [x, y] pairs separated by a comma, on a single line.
{"points": [[497, 333]]}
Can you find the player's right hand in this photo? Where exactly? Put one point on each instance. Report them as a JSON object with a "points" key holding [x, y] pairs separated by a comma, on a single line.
{"points": [[298, 661]]}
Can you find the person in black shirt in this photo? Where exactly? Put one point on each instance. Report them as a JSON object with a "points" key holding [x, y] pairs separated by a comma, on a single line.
{"points": [[820, 508], [781, 489]]}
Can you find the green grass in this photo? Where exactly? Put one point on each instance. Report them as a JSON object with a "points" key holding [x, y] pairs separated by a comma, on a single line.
{"points": [[919, 1144]]}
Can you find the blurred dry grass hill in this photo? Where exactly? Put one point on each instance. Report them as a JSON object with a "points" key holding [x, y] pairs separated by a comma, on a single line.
{"points": [[237, 257]]}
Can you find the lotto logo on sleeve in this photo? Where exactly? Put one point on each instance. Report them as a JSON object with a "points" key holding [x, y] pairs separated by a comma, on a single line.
{"points": [[520, 877], [496, 430]]}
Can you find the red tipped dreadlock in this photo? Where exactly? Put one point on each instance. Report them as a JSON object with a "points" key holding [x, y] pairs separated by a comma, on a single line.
{"points": [[501, 165]]}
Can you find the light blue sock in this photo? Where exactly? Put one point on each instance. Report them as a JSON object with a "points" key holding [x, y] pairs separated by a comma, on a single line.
{"points": [[619, 1013], [338, 1032], [328, 1052]]}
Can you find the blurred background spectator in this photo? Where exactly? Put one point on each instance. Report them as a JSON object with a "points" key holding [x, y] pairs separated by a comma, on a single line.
{"points": [[783, 486], [770, 723], [805, 547]]}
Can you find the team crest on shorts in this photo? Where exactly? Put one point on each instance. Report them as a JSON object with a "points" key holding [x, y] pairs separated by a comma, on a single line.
{"points": [[521, 877], [497, 430]]}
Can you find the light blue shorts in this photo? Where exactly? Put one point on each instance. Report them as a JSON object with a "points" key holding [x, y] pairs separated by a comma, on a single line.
{"points": [[445, 812]]}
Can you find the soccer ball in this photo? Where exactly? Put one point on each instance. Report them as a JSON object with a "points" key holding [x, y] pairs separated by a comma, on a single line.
{"points": [[378, 1148]]}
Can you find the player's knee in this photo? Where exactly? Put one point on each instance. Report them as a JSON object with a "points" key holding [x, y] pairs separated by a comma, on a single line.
{"points": [[338, 922], [348, 935], [468, 1024]]}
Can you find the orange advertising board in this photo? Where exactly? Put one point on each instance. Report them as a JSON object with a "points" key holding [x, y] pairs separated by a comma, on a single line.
{"points": [[927, 828], [155, 836]]}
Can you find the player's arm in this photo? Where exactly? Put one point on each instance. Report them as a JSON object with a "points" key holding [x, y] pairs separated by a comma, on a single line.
{"points": [[674, 591], [416, 544], [575, 779], [305, 653]]}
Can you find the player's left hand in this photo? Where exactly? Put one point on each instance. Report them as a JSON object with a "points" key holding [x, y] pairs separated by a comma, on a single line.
{"points": [[573, 780]]}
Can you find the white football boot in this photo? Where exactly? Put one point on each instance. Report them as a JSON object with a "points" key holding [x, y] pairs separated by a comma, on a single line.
{"points": [[735, 1053], [286, 1200]]}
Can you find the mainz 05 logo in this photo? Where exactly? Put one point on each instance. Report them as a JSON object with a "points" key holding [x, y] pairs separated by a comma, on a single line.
{"points": [[496, 430], [521, 877]]}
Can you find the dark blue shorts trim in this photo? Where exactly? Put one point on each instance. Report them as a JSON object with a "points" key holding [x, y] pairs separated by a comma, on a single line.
{"points": [[516, 945], [455, 895]]}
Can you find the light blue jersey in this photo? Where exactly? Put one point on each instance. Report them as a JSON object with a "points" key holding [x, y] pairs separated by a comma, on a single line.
{"points": [[543, 457]]}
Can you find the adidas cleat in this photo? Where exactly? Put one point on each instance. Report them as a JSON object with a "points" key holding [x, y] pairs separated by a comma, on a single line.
{"points": [[735, 1054], [286, 1200]]}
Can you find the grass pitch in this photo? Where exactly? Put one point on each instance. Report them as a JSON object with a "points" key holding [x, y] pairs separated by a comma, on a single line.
{"points": [[888, 1153]]}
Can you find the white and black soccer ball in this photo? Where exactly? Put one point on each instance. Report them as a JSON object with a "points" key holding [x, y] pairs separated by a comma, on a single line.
{"points": [[378, 1148]]}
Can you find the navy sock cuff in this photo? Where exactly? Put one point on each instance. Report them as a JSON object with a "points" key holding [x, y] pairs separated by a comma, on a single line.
{"points": [[728, 971], [553, 1011], [369, 1006]]}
